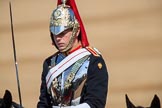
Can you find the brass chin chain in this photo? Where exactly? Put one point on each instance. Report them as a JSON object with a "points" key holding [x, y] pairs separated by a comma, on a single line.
{"points": [[75, 29]]}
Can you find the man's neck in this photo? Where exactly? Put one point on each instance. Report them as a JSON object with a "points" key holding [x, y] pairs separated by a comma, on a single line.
{"points": [[77, 45]]}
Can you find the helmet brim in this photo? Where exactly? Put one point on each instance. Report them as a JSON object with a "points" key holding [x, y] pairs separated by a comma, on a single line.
{"points": [[56, 30]]}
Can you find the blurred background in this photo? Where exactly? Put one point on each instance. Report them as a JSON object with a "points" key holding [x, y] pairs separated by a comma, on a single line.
{"points": [[128, 33]]}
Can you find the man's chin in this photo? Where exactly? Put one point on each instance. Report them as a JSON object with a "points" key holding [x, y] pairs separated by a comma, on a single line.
{"points": [[61, 49]]}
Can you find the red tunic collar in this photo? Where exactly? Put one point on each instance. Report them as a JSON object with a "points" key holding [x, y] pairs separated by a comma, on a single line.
{"points": [[75, 49]]}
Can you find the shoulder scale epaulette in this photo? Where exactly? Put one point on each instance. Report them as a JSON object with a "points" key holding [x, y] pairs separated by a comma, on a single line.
{"points": [[93, 51]]}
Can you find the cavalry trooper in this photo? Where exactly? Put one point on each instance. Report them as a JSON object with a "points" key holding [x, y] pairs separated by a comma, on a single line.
{"points": [[76, 75]]}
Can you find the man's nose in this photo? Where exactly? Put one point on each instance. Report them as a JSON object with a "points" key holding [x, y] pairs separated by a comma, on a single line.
{"points": [[58, 37]]}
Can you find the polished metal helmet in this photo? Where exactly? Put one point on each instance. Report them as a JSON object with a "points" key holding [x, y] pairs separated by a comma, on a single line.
{"points": [[62, 19]]}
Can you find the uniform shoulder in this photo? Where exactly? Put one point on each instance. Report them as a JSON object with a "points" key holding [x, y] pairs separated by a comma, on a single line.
{"points": [[48, 59], [94, 51]]}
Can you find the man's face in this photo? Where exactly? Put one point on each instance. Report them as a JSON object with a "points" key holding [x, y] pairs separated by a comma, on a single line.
{"points": [[62, 40]]}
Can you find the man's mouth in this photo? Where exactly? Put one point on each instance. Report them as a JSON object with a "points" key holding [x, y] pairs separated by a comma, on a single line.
{"points": [[60, 44]]}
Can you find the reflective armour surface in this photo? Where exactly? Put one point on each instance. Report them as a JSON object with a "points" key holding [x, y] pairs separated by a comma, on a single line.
{"points": [[66, 86]]}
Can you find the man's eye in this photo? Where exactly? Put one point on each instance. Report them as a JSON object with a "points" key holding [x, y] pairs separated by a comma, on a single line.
{"points": [[65, 32]]}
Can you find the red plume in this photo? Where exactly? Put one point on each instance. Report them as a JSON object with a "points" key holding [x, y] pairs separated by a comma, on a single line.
{"points": [[73, 6]]}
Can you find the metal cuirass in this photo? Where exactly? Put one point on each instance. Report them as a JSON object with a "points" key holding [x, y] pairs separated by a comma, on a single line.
{"points": [[68, 85]]}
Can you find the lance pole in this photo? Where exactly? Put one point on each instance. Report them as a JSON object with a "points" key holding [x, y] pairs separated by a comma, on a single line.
{"points": [[15, 60]]}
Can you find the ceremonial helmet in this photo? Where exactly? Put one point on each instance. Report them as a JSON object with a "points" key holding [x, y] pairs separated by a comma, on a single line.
{"points": [[66, 16]]}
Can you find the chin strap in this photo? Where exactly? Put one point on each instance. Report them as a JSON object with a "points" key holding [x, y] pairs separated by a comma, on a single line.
{"points": [[72, 38]]}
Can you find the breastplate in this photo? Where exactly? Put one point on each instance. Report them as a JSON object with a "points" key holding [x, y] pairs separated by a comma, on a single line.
{"points": [[67, 86]]}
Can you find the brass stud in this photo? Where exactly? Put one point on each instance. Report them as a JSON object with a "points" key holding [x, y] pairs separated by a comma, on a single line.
{"points": [[99, 65]]}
